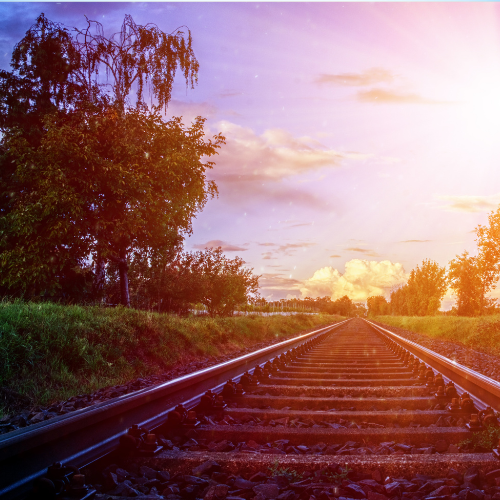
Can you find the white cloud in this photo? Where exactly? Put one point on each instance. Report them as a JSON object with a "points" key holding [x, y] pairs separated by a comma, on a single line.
{"points": [[278, 281], [275, 154], [322, 283], [389, 96], [368, 77], [468, 203], [361, 279]]}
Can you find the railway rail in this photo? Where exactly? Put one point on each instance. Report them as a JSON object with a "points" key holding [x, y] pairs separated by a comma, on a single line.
{"points": [[346, 408]]}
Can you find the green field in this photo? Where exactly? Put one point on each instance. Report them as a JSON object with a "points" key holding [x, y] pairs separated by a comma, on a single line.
{"points": [[481, 333], [50, 352]]}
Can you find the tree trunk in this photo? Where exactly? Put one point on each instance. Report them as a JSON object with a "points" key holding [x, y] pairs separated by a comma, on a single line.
{"points": [[123, 268], [100, 276]]}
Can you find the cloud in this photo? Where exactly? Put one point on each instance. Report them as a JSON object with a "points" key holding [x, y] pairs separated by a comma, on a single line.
{"points": [[230, 93], [275, 154], [383, 96], [284, 250], [361, 279], [302, 224], [375, 76], [366, 251], [369, 77], [415, 241], [262, 168], [226, 247], [294, 223], [269, 281], [268, 256], [334, 256], [471, 203], [242, 190]]}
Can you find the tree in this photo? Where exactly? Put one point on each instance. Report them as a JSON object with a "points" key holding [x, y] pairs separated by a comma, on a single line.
{"points": [[151, 274], [488, 241], [398, 301], [426, 288], [135, 57], [40, 82], [344, 306], [377, 305], [225, 283], [325, 304], [467, 281], [473, 277], [52, 69], [138, 58], [104, 183], [422, 294]]}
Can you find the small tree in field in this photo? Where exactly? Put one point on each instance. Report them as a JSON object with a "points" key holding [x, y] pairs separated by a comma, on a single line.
{"points": [[468, 282], [471, 278], [426, 287], [224, 283]]}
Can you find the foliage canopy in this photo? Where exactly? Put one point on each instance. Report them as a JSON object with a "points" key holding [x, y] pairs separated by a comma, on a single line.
{"points": [[377, 305], [85, 176], [103, 183], [135, 57], [422, 294]]}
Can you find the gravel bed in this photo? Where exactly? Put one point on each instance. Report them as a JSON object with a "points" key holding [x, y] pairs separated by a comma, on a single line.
{"points": [[282, 447], [309, 423], [481, 362], [209, 482]]}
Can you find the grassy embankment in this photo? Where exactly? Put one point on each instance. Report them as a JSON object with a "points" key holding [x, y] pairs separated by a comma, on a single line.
{"points": [[482, 333], [50, 352]]}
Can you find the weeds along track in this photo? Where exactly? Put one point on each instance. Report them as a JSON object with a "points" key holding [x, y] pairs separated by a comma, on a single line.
{"points": [[348, 411]]}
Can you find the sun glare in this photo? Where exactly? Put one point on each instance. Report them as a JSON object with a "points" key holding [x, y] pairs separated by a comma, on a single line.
{"points": [[481, 100]]}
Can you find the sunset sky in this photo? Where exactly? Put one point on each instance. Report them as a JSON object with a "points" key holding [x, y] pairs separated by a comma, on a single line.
{"points": [[362, 138]]}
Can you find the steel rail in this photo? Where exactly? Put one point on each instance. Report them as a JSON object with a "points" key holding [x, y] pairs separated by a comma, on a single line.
{"points": [[484, 388], [85, 435]]}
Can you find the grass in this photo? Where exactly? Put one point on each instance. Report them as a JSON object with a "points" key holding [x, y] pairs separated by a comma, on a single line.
{"points": [[484, 440], [323, 475], [50, 352], [291, 474], [481, 333]]}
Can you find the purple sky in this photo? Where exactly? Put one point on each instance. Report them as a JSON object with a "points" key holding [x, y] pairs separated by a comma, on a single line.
{"points": [[361, 137]]}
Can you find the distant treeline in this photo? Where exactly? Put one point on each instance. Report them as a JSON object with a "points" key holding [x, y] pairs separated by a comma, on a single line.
{"points": [[471, 278], [343, 306]]}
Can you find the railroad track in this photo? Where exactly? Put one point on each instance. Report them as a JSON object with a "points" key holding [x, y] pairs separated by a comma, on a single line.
{"points": [[342, 409]]}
